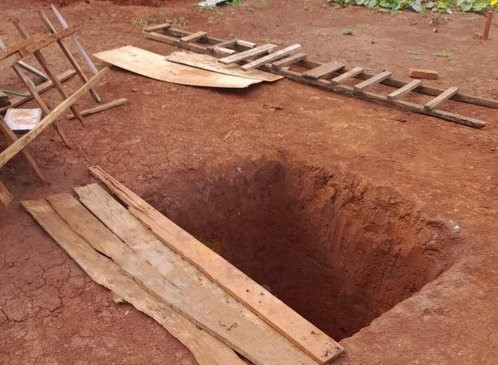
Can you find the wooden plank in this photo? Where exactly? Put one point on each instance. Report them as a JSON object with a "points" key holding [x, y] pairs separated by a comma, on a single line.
{"points": [[156, 27], [241, 56], [22, 142], [419, 73], [210, 63], [206, 349], [193, 37], [221, 51], [347, 75], [175, 42], [40, 89], [412, 85], [4, 128], [272, 57], [5, 196], [8, 62], [156, 267], [324, 70], [289, 60], [433, 103], [225, 44], [303, 334], [155, 66], [373, 80], [101, 108]]}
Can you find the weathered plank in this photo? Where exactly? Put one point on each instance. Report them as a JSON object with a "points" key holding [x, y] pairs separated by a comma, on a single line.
{"points": [[272, 57], [156, 27], [241, 56], [289, 60], [412, 85], [155, 66], [287, 322], [206, 349], [433, 103], [22, 142], [347, 75], [101, 107], [373, 80], [176, 281], [323, 70], [193, 37]]}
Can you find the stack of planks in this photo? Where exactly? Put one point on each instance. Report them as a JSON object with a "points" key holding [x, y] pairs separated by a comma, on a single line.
{"points": [[209, 305]]}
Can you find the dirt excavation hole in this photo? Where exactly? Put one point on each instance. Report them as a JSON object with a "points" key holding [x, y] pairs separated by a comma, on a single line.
{"points": [[329, 244]]}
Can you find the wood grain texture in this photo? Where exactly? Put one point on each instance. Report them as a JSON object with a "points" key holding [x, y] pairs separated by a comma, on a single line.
{"points": [[158, 268], [206, 349], [303, 334], [155, 66], [211, 63]]}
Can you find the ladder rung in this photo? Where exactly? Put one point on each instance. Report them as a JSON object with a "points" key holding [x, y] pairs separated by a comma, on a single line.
{"points": [[265, 48], [193, 37], [347, 75], [290, 60], [445, 95], [156, 27], [412, 85], [271, 57], [245, 44], [323, 70], [225, 44], [372, 80]]}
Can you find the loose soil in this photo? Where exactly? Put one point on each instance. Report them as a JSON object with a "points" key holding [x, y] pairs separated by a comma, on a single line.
{"points": [[376, 224]]}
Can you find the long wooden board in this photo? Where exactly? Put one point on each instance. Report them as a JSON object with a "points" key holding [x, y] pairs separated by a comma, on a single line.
{"points": [[22, 142], [210, 63], [156, 67], [290, 324], [206, 349], [174, 280], [282, 53]]}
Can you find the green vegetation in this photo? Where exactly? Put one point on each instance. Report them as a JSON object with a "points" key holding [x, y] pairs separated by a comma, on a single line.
{"points": [[442, 6], [347, 31], [443, 54]]}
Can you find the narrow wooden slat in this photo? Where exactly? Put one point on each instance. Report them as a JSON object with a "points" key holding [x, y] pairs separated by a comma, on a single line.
{"points": [[174, 280], [347, 75], [5, 196], [323, 70], [373, 80], [22, 142], [431, 104], [272, 57], [156, 27], [224, 44], [303, 334], [175, 41], [245, 44], [12, 138], [221, 51], [101, 107], [193, 37], [289, 60], [206, 349], [412, 85], [40, 89], [265, 48]]}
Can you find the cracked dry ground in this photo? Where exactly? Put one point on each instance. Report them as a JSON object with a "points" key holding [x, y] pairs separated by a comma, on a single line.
{"points": [[168, 139]]}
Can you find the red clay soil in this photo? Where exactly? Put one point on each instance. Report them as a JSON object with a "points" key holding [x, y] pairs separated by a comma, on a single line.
{"points": [[350, 211]]}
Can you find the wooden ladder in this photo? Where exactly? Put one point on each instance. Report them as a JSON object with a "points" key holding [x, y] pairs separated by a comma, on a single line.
{"points": [[331, 76]]}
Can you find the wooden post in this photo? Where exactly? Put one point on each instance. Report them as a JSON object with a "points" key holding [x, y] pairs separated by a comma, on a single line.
{"points": [[487, 25]]}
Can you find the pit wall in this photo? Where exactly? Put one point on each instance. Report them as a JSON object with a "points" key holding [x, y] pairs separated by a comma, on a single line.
{"points": [[337, 249]]}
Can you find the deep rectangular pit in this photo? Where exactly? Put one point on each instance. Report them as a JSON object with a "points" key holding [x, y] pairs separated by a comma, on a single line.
{"points": [[335, 248]]}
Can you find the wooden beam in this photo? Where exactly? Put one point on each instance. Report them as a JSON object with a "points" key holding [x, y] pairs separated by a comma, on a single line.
{"points": [[347, 75], [433, 103], [324, 70], [193, 37], [156, 27], [5, 196], [241, 56], [175, 42], [289, 60], [412, 85], [274, 312], [373, 80], [272, 57], [101, 107], [22, 142]]}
